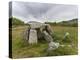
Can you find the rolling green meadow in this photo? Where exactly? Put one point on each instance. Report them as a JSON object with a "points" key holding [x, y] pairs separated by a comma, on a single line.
{"points": [[21, 48]]}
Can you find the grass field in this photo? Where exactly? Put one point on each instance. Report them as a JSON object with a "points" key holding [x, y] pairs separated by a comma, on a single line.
{"points": [[21, 49]]}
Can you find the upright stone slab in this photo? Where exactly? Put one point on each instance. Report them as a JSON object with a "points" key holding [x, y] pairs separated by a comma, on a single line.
{"points": [[32, 36]]}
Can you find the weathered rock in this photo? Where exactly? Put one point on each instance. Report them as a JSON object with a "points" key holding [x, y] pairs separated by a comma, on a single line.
{"points": [[49, 30], [39, 34], [34, 24], [32, 36], [47, 36], [53, 46]]}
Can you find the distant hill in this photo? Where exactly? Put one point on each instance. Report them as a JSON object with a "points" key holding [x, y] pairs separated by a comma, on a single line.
{"points": [[70, 21], [15, 21], [73, 22]]}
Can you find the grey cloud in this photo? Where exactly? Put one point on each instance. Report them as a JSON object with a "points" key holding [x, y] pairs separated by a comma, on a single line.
{"points": [[43, 11]]}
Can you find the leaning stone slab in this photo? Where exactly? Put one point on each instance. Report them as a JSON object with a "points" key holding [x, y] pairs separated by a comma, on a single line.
{"points": [[32, 36], [47, 36]]}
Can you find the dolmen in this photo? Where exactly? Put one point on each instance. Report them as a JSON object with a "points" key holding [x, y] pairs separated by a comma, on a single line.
{"points": [[37, 30]]}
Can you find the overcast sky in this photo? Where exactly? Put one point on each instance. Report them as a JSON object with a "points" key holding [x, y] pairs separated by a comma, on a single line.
{"points": [[28, 11]]}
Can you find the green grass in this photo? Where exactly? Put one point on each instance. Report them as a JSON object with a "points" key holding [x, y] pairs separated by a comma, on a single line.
{"points": [[21, 49]]}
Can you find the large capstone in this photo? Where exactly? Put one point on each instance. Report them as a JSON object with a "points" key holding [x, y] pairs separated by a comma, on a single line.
{"points": [[34, 24]]}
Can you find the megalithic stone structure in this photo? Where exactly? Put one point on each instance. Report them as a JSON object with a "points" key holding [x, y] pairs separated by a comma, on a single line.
{"points": [[38, 30]]}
